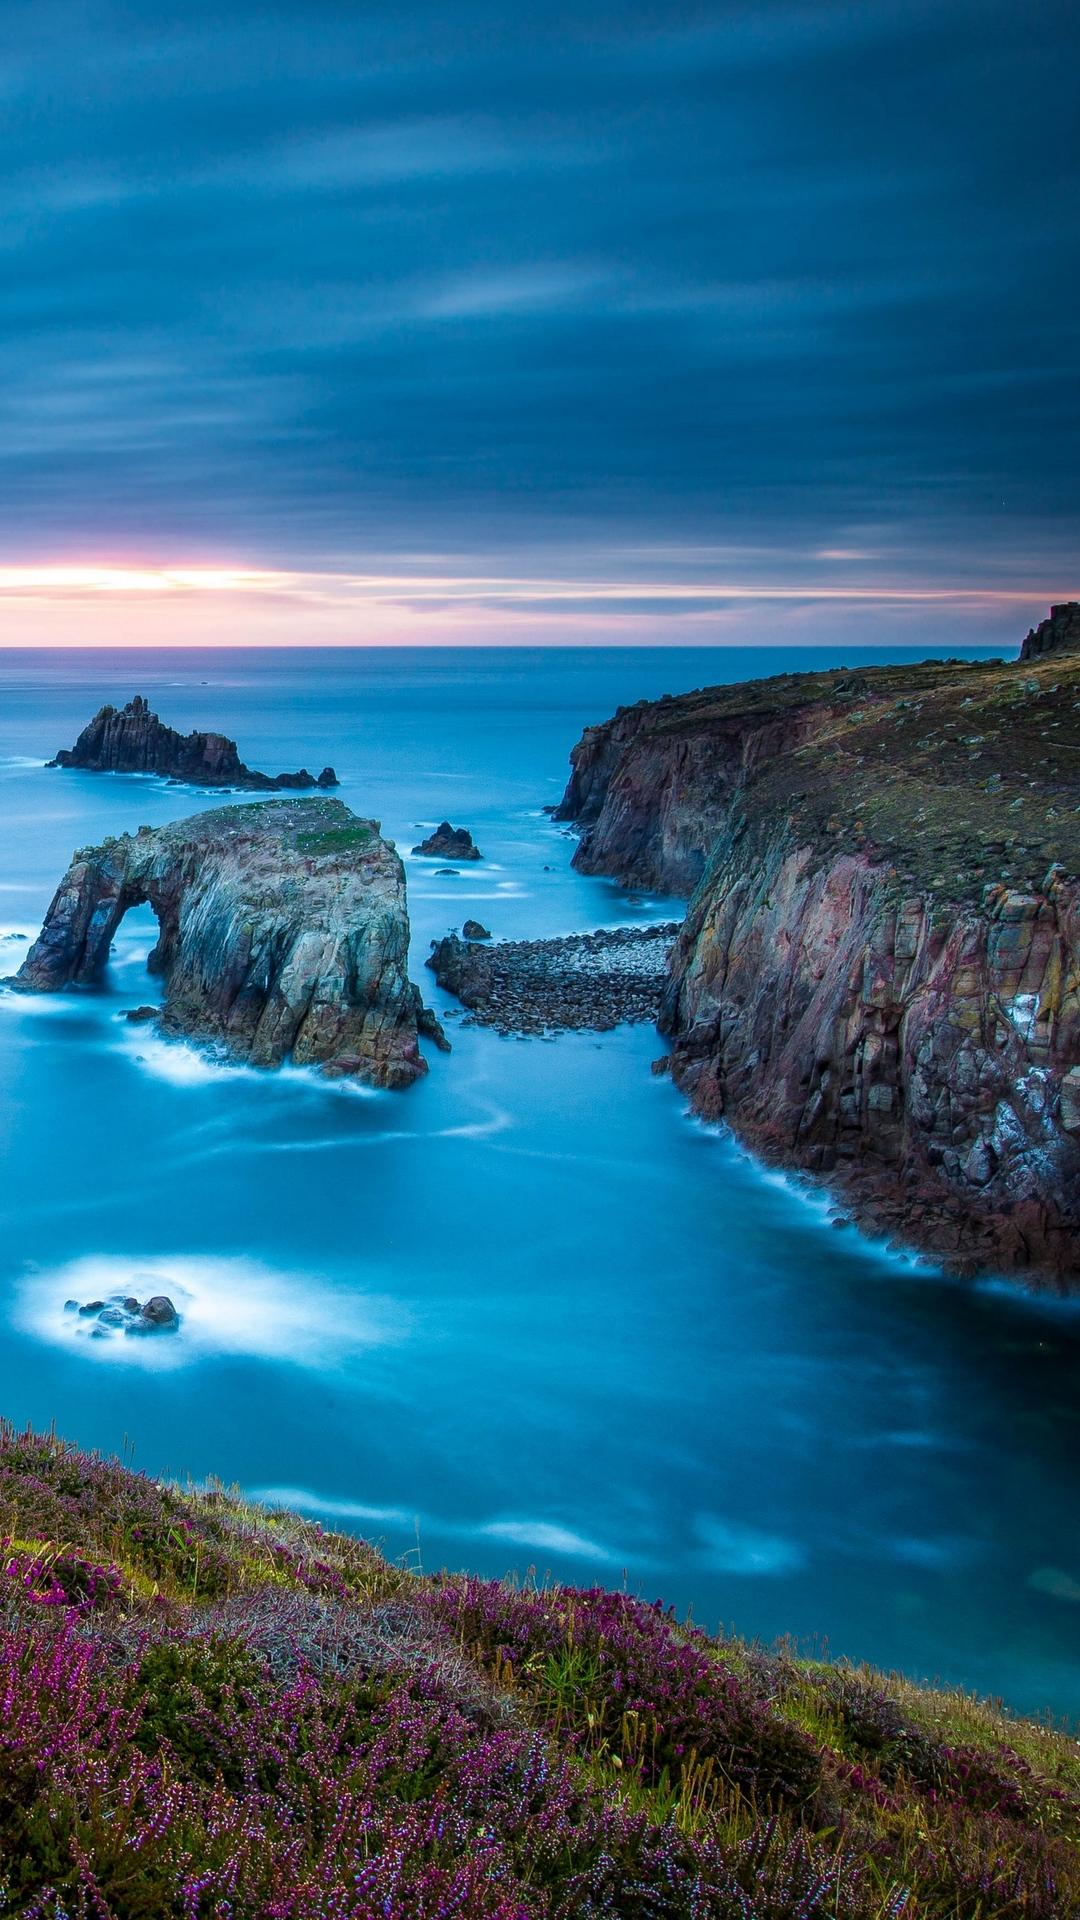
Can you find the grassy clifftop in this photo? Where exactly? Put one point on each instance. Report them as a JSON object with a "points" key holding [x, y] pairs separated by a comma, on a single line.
{"points": [[208, 1710]]}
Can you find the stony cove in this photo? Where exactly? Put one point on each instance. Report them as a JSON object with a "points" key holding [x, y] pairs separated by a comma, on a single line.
{"points": [[283, 935]]}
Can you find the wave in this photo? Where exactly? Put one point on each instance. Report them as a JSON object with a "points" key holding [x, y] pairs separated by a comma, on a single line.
{"points": [[184, 1063]]}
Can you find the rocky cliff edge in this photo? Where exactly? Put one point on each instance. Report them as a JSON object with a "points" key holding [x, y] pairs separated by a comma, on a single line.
{"points": [[878, 978]]}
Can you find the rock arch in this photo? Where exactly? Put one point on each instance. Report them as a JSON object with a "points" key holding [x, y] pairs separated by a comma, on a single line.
{"points": [[283, 933]]}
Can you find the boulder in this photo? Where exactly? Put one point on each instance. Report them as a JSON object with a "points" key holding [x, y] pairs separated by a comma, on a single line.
{"points": [[160, 1312]]}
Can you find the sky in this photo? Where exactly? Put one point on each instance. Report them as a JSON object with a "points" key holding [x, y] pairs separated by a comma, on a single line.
{"points": [[461, 322]]}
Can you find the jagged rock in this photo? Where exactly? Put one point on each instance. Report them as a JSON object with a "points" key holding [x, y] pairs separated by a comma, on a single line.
{"points": [[878, 978], [1070, 1101], [449, 843], [472, 930], [1060, 633], [131, 739], [283, 934]]}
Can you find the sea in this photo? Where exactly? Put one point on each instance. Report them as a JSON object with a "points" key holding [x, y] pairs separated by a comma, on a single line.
{"points": [[530, 1317]]}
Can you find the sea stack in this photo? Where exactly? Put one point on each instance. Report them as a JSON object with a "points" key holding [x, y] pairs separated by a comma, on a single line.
{"points": [[132, 739], [449, 843]]}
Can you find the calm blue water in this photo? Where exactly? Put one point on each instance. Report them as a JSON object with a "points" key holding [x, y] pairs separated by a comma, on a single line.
{"points": [[528, 1313]]}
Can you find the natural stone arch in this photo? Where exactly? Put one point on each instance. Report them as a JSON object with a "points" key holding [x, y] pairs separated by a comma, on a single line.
{"points": [[283, 933]]}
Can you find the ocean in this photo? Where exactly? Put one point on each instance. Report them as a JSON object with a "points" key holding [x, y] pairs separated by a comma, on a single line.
{"points": [[529, 1315]]}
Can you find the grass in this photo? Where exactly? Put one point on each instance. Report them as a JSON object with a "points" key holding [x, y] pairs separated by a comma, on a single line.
{"points": [[335, 839], [217, 1712]]}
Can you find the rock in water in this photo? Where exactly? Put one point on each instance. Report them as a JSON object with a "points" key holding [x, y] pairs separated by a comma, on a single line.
{"points": [[133, 740], [449, 843], [473, 930], [284, 934], [879, 974], [160, 1312]]}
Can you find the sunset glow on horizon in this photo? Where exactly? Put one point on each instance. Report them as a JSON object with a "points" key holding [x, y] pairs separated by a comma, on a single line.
{"points": [[139, 604]]}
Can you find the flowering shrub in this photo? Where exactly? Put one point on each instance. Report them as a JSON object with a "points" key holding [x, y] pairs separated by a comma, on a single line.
{"points": [[215, 1713]]}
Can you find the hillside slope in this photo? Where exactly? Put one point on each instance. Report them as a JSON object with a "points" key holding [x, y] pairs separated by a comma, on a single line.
{"points": [[208, 1710]]}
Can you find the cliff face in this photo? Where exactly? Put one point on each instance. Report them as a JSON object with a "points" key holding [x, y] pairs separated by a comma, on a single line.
{"points": [[283, 934], [131, 739], [1059, 634], [879, 973]]}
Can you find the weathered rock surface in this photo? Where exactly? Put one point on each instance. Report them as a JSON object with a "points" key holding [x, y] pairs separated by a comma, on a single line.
{"points": [[1059, 634], [284, 934], [449, 843], [131, 739], [879, 974], [583, 980], [475, 930]]}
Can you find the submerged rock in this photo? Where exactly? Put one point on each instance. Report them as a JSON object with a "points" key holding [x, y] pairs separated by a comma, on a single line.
{"points": [[879, 975], [283, 934], [131, 739], [449, 843]]}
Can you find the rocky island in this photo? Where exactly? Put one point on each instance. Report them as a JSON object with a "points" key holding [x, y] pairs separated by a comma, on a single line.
{"points": [[878, 978], [284, 934], [131, 739], [449, 843]]}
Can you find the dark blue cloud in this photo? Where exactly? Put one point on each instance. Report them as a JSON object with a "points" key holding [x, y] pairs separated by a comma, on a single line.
{"points": [[324, 281]]}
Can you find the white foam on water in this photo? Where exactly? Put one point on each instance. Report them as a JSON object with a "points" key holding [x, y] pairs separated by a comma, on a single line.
{"points": [[181, 1063], [39, 1006], [727, 1546], [547, 1537], [544, 1536], [227, 1307], [497, 1121], [301, 1500]]}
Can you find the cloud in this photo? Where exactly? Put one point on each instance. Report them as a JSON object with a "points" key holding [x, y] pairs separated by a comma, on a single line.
{"points": [[306, 286]]}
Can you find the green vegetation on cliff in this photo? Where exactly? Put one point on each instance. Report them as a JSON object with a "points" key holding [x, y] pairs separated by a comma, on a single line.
{"points": [[216, 1712]]}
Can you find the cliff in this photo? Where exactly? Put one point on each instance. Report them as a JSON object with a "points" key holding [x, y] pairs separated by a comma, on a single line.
{"points": [[878, 978], [209, 1709], [131, 739], [283, 935], [1059, 634]]}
